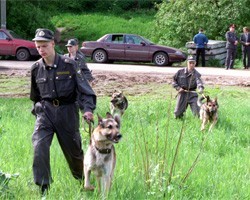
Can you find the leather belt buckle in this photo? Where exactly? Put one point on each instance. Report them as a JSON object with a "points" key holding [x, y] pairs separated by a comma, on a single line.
{"points": [[56, 102]]}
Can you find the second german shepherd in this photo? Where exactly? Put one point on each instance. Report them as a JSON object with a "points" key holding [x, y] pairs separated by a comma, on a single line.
{"points": [[208, 111], [118, 103], [100, 157]]}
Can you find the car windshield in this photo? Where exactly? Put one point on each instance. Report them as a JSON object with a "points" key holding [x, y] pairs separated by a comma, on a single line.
{"points": [[101, 38], [148, 41], [14, 35]]}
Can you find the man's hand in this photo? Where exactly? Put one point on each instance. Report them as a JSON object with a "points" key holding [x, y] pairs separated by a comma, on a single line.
{"points": [[181, 90], [201, 91], [88, 117]]}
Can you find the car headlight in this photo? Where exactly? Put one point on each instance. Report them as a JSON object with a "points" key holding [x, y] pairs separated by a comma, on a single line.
{"points": [[178, 52]]}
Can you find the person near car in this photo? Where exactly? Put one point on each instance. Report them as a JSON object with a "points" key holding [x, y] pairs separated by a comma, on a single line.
{"points": [[186, 81], [245, 42], [231, 46], [200, 40], [55, 85], [79, 57]]}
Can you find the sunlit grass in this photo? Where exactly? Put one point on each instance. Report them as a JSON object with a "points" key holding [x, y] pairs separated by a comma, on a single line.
{"points": [[93, 26], [146, 152]]}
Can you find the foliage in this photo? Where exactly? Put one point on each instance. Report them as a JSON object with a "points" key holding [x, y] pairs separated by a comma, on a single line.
{"points": [[92, 26], [24, 17], [214, 62], [4, 182], [178, 21]]}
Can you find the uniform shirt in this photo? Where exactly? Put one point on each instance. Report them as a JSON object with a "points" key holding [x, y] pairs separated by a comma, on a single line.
{"points": [[245, 38], [231, 37], [200, 40], [80, 60], [62, 81], [187, 80]]}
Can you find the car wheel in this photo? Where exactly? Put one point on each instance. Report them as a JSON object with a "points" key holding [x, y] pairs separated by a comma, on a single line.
{"points": [[100, 56], [22, 54], [160, 59]]}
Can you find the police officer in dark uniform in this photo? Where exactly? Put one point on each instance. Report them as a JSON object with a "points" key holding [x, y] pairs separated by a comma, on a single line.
{"points": [[79, 57], [231, 46], [55, 86], [245, 41], [186, 81]]}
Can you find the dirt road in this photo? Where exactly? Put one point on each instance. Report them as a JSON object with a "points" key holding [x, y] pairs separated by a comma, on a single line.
{"points": [[133, 79], [137, 68]]}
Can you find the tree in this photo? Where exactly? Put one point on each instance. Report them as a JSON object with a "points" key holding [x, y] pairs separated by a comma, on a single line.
{"points": [[177, 21], [24, 17]]}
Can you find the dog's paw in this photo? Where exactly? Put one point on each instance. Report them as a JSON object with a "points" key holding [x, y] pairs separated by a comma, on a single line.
{"points": [[89, 188]]}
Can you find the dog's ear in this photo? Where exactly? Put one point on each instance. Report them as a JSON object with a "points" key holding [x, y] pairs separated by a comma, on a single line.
{"points": [[216, 101], [117, 119], [207, 98], [100, 120], [108, 115]]}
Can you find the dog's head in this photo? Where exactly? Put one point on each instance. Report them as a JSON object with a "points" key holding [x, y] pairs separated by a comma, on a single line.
{"points": [[108, 129], [212, 105], [117, 97]]}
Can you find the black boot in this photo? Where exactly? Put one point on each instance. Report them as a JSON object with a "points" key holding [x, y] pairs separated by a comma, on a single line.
{"points": [[44, 190]]}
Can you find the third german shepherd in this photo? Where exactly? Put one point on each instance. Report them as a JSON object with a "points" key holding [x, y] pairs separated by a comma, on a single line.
{"points": [[208, 111]]}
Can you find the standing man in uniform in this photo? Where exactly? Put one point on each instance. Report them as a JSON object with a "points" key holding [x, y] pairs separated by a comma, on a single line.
{"points": [[231, 46], [200, 41], [75, 54], [186, 81], [245, 41], [55, 87]]}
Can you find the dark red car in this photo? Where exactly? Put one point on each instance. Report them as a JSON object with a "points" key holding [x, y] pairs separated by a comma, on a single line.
{"points": [[12, 45], [131, 47]]}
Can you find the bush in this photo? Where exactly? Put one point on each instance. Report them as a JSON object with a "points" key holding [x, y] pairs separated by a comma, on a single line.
{"points": [[26, 20], [214, 62]]}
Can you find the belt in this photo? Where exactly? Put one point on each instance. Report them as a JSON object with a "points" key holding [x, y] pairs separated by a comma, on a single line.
{"points": [[189, 90], [56, 102]]}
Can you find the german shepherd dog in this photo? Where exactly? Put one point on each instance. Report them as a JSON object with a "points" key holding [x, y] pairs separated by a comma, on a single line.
{"points": [[100, 157], [118, 103], [208, 111]]}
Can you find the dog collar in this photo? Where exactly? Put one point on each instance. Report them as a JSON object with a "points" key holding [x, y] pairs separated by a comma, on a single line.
{"points": [[103, 151]]}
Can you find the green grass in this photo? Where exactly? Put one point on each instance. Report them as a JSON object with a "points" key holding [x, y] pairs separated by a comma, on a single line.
{"points": [[146, 152], [92, 26]]}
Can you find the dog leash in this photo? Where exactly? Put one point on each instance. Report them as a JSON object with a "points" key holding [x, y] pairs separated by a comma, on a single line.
{"points": [[90, 129], [184, 91]]}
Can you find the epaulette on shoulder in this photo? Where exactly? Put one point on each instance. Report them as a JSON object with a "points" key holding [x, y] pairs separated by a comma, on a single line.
{"points": [[68, 60], [35, 64]]}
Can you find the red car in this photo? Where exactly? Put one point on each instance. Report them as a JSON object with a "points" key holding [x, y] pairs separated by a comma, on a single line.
{"points": [[12, 45], [130, 47]]}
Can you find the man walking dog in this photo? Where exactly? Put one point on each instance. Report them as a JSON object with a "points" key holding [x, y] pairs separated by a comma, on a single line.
{"points": [[186, 81], [56, 85]]}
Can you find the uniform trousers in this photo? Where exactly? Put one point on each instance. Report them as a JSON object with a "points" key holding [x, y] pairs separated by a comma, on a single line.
{"points": [[200, 51], [246, 57], [183, 100], [63, 121], [229, 63]]}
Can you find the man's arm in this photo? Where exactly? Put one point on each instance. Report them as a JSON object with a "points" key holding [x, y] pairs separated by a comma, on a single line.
{"points": [[175, 83], [34, 92]]}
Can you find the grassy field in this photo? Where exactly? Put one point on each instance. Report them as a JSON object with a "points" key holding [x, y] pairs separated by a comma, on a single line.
{"points": [[91, 26], [147, 167]]}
